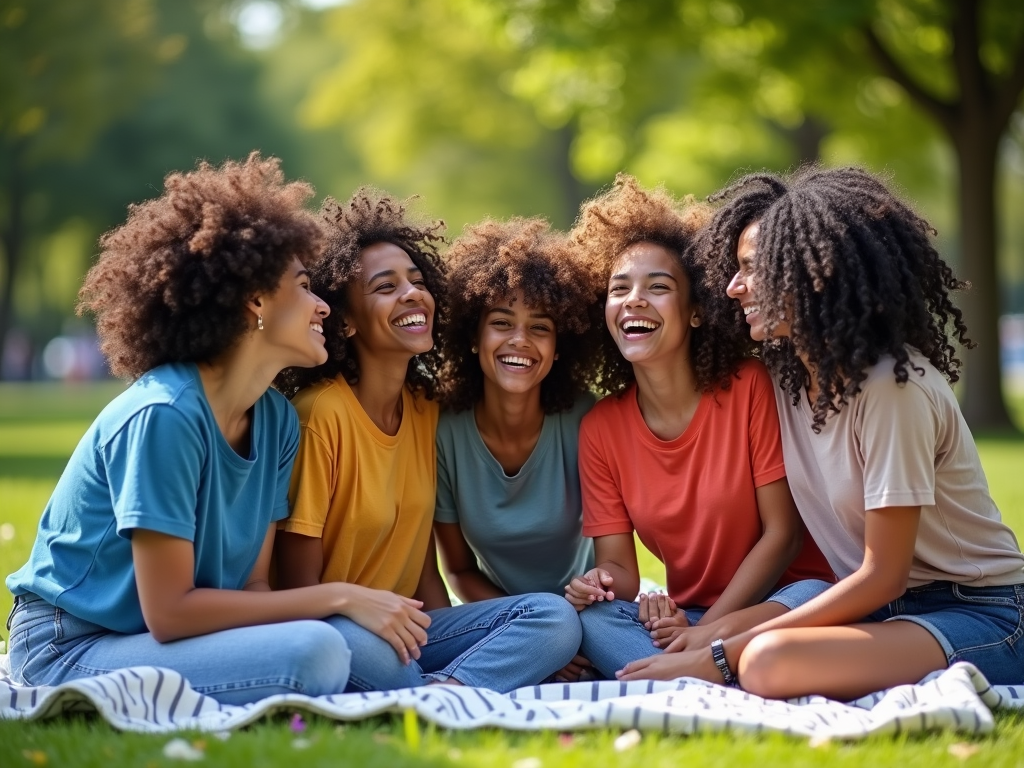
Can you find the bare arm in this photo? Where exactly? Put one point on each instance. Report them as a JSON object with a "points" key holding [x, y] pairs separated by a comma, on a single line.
{"points": [[889, 538], [615, 577], [780, 542], [300, 560], [258, 580], [174, 607], [461, 567], [431, 590]]}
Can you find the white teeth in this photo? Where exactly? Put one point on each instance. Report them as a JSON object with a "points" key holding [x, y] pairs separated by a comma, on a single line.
{"points": [[525, 362], [638, 325], [750, 309], [316, 327], [417, 319]]}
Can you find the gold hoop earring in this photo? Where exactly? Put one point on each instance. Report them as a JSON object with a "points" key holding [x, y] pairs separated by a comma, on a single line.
{"points": [[259, 322], [474, 349]]}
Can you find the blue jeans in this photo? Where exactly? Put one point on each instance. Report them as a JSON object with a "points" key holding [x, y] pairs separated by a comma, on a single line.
{"points": [[982, 625], [49, 646], [613, 635], [502, 644]]}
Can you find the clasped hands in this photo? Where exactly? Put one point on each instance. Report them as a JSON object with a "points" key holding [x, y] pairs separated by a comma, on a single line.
{"points": [[686, 648]]}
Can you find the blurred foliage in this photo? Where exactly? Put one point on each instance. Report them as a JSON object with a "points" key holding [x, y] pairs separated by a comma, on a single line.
{"points": [[482, 107]]}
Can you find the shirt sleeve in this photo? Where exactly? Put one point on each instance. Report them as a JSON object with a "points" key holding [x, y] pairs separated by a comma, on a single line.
{"points": [[313, 483], [896, 426], [289, 447], [604, 511], [767, 464], [153, 467], [446, 509]]}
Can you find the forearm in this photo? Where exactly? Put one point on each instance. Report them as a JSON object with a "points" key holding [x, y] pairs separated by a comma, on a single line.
{"points": [[757, 575], [847, 602], [202, 611], [300, 560], [472, 586], [626, 584]]}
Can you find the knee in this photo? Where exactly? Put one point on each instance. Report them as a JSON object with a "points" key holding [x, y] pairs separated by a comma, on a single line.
{"points": [[320, 658], [557, 613], [764, 668], [596, 616]]}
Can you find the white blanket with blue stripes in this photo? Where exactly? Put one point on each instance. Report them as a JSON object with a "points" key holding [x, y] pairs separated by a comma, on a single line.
{"points": [[155, 700]]}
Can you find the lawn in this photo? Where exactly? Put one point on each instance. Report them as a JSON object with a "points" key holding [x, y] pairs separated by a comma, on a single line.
{"points": [[39, 427]]}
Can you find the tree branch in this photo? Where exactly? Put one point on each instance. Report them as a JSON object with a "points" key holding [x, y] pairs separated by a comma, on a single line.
{"points": [[1009, 90], [943, 111]]}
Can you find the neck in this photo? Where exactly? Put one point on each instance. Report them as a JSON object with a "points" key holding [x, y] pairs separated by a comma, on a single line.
{"points": [[379, 389], [666, 386], [509, 416], [232, 384]]}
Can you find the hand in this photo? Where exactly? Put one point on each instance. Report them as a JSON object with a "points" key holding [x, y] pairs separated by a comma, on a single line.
{"points": [[655, 606], [699, 664], [588, 588], [396, 619], [571, 672], [689, 638]]}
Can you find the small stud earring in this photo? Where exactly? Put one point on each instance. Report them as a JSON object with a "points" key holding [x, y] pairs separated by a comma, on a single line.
{"points": [[259, 322], [695, 321], [474, 349]]}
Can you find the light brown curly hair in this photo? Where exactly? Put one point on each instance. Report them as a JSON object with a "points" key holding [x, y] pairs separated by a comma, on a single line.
{"points": [[171, 283], [488, 264], [627, 214], [370, 216]]}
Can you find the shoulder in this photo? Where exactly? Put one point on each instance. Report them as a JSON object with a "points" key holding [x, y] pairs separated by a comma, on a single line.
{"points": [[752, 376], [924, 382], [279, 410], [609, 411], [319, 400], [167, 395]]}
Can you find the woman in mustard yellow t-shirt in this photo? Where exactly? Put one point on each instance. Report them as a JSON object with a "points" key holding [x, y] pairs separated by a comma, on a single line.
{"points": [[365, 478]]}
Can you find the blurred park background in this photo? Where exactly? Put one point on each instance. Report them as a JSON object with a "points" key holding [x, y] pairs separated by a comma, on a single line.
{"points": [[501, 107]]}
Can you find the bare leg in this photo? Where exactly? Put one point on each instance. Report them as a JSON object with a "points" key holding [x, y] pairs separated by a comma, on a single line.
{"points": [[839, 662]]}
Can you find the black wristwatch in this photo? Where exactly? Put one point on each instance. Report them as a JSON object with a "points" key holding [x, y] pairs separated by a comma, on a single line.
{"points": [[718, 654]]}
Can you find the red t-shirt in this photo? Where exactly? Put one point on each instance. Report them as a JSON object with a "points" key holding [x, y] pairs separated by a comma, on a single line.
{"points": [[691, 500]]}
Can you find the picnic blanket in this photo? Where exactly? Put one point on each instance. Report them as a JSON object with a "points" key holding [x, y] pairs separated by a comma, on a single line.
{"points": [[154, 700]]}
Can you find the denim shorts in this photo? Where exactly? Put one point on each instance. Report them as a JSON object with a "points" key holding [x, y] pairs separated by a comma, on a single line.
{"points": [[981, 625]]}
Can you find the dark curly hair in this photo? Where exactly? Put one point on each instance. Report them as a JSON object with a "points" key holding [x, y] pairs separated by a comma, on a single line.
{"points": [[369, 217], [488, 263], [850, 267], [171, 283], [627, 214]]}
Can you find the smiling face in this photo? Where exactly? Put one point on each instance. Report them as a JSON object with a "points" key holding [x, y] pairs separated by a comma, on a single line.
{"points": [[292, 317], [516, 345], [390, 309], [648, 311], [743, 286]]}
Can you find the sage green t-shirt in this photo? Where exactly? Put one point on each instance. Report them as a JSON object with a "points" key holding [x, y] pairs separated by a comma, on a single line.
{"points": [[526, 530]]}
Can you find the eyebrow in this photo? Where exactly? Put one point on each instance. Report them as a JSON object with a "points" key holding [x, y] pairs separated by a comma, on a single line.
{"points": [[509, 312], [624, 276], [391, 273], [302, 273]]}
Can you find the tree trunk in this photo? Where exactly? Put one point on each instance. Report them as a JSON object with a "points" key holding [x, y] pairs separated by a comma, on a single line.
{"points": [[976, 151], [573, 192], [12, 239]]}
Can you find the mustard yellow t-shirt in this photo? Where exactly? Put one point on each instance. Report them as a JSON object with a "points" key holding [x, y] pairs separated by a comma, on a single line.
{"points": [[368, 495]]}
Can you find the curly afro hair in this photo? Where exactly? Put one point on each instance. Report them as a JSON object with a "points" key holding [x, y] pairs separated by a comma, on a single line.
{"points": [[488, 264], [627, 214], [171, 283], [850, 268], [369, 217]]}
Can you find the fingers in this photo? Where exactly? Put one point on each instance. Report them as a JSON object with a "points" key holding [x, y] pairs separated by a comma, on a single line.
{"points": [[634, 670], [398, 644], [582, 661], [644, 612], [678, 644], [584, 589], [422, 620], [665, 609]]}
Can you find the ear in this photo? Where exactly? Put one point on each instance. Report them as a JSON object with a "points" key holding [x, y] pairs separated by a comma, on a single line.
{"points": [[254, 305], [347, 329]]}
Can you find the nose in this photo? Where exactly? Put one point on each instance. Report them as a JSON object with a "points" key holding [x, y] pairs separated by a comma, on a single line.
{"points": [[736, 287], [518, 337], [413, 292], [635, 297], [321, 307]]}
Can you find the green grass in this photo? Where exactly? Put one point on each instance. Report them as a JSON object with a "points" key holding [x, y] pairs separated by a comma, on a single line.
{"points": [[39, 427]]}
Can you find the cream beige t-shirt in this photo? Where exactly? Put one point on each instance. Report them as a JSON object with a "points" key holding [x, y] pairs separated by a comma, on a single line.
{"points": [[896, 445]]}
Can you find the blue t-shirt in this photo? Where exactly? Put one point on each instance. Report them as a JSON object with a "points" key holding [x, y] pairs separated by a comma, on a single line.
{"points": [[156, 459], [525, 530]]}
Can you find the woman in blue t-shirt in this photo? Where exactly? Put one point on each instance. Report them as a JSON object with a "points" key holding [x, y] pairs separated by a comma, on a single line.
{"points": [[521, 351], [155, 545]]}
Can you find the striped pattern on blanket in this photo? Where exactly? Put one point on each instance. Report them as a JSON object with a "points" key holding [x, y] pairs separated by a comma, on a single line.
{"points": [[154, 700]]}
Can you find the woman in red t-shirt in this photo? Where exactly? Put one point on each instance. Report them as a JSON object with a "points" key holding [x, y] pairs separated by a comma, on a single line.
{"points": [[685, 452]]}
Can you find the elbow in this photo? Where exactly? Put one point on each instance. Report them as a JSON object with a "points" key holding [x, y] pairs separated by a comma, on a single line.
{"points": [[162, 631]]}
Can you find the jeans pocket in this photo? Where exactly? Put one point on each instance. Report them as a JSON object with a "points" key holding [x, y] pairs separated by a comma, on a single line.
{"points": [[1002, 605]]}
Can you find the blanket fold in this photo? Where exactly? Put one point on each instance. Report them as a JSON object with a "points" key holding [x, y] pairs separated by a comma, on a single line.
{"points": [[154, 700]]}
